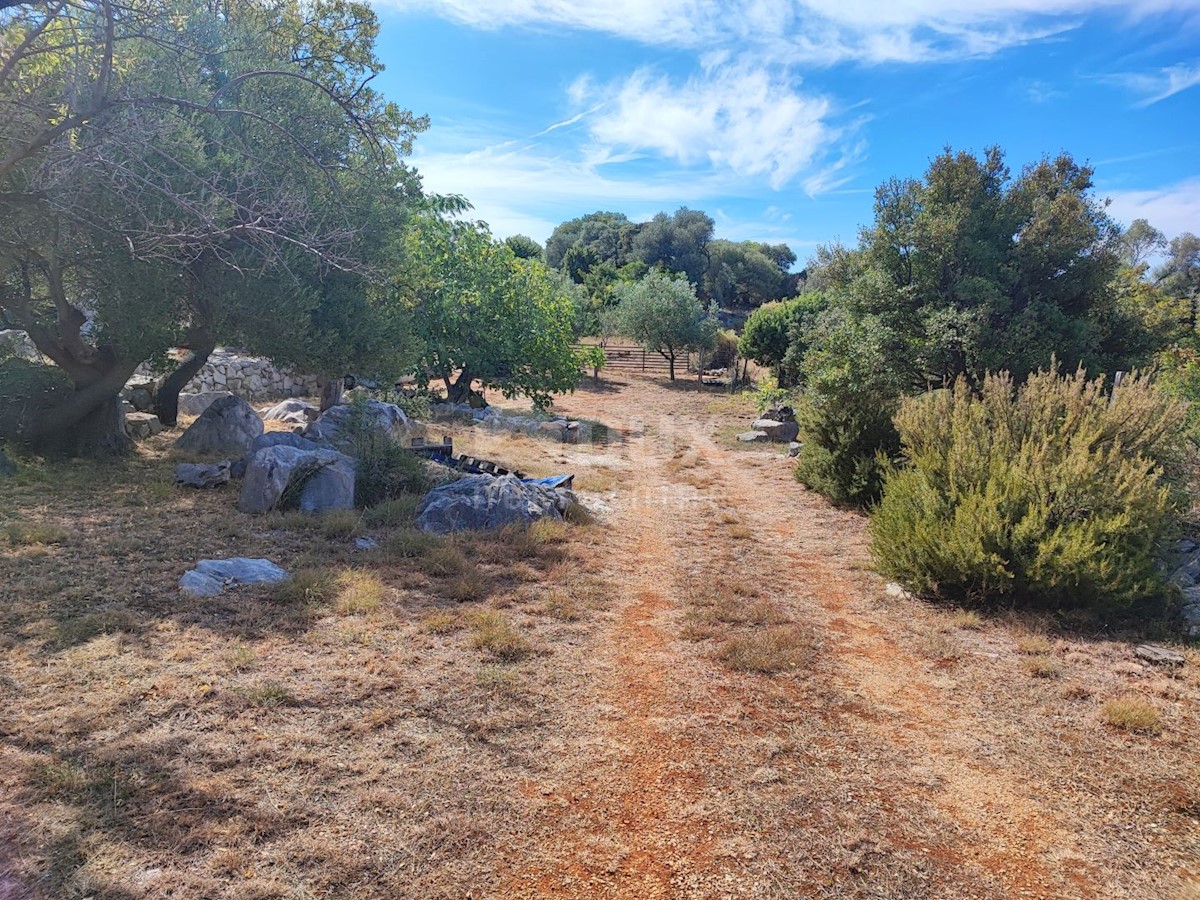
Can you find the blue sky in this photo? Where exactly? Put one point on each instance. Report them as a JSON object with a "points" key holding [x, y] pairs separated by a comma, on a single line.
{"points": [[780, 117]]}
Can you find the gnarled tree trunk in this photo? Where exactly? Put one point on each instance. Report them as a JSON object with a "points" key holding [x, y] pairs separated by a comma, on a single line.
{"points": [[331, 390], [166, 399]]}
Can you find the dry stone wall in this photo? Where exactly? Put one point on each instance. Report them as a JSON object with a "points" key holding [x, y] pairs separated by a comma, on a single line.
{"points": [[250, 377]]}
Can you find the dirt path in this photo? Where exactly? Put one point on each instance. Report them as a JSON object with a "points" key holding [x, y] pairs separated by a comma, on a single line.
{"points": [[877, 773]]}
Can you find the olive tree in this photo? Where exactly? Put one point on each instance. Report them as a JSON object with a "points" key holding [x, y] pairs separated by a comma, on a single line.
{"points": [[662, 313]]}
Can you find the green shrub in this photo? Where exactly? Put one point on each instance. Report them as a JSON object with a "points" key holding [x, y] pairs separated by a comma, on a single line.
{"points": [[1053, 495], [384, 469], [852, 390]]}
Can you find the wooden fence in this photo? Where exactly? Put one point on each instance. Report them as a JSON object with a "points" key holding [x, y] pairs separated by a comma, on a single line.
{"points": [[632, 359]]}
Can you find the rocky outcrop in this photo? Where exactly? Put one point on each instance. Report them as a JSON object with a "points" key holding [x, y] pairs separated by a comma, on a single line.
{"points": [[780, 432], [212, 577], [324, 479], [1185, 561], [486, 502], [229, 426]]}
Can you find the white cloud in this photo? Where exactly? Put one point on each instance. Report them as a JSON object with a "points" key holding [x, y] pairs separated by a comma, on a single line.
{"points": [[739, 117], [820, 32], [1172, 209]]}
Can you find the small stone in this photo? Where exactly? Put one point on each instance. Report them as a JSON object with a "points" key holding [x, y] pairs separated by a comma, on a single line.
{"points": [[794, 448], [1158, 656], [752, 437], [198, 475], [896, 590], [365, 543]]}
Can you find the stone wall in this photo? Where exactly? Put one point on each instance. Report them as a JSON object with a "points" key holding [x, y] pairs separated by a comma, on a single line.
{"points": [[250, 377]]}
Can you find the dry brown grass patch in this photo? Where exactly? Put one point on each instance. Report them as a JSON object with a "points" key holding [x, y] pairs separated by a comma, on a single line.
{"points": [[443, 622], [394, 513], [1042, 666], [740, 532], [444, 561], [781, 649], [494, 633], [359, 591], [1035, 645], [266, 694], [1132, 713], [966, 619], [468, 587], [559, 605], [30, 534]]}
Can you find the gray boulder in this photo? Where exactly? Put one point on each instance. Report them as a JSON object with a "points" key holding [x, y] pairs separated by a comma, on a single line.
{"points": [[229, 426], [271, 439], [8, 468], [387, 418], [294, 412], [198, 475], [141, 425], [196, 404], [1191, 619], [140, 398], [212, 576], [485, 503], [324, 478], [780, 432]]}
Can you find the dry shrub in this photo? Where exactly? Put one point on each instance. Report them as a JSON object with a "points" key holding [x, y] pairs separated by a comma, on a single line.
{"points": [[266, 694], [966, 619], [1132, 714], [780, 649], [559, 605], [740, 532], [1034, 645], [339, 523], [359, 591]]}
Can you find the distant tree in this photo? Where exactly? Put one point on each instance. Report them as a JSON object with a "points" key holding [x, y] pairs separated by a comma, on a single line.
{"points": [[1179, 275], [482, 313], [662, 313], [597, 237], [748, 274], [1140, 241], [524, 247], [677, 243]]}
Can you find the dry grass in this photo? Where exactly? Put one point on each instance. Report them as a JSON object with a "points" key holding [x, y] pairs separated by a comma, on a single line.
{"points": [[494, 633], [468, 587], [1132, 713], [359, 591], [1043, 666], [27, 534], [774, 650], [307, 586], [1035, 645], [966, 619], [445, 622]]}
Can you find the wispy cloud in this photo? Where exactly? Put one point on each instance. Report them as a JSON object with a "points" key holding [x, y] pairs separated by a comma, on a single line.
{"points": [[1160, 84], [815, 32]]}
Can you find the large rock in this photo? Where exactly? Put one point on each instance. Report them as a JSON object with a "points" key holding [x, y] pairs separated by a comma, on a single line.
{"points": [[780, 432], [752, 437], [229, 426], [197, 404], [294, 412], [212, 576], [198, 475], [387, 418], [271, 439], [324, 478], [7, 467], [141, 425], [485, 502]]}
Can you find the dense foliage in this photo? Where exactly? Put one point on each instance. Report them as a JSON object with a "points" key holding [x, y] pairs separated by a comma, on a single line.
{"points": [[1054, 493], [963, 272]]}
